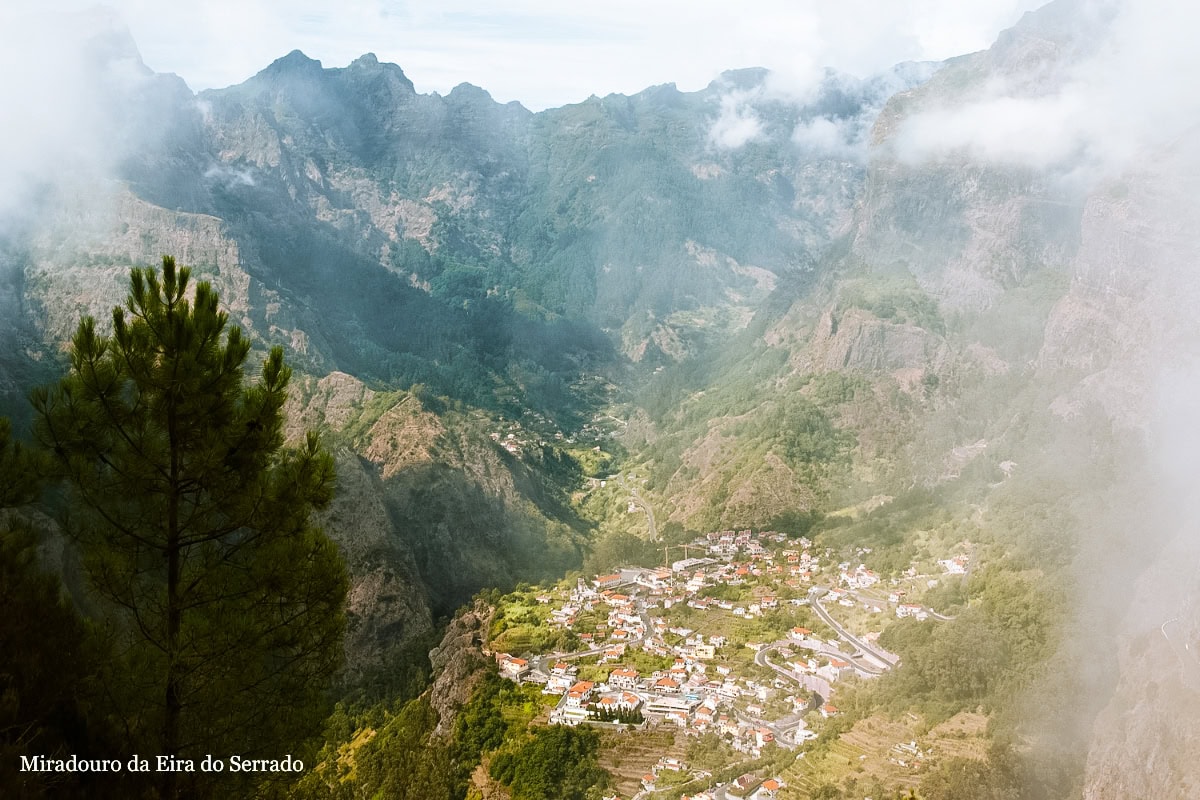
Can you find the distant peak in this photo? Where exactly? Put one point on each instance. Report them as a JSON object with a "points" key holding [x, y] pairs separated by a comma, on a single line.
{"points": [[467, 91], [370, 65], [293, 61], [745, 78]]}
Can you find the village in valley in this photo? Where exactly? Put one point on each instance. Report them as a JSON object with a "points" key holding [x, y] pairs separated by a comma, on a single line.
{"points": [[748, 636]]}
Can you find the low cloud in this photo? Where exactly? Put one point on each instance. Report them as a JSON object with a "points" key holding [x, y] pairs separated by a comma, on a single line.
{"points": [[844, 138], [229, 177], [63, 78], [836, 111], [1122, 98], [737, 124]]}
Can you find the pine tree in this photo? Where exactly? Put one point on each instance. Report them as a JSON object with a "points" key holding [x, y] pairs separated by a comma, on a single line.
{"points": [[223, 603], [42, 665]]}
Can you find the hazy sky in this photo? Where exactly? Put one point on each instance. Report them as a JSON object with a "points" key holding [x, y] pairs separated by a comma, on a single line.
{"points": [[548, 52]]}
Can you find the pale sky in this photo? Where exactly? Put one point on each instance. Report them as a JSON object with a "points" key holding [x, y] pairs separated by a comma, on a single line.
{"points": [[546, 53]]}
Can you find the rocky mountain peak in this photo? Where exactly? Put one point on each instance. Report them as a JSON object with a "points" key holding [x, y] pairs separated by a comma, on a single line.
{"points": [[740, 79], [369, 65], [294, 63]]}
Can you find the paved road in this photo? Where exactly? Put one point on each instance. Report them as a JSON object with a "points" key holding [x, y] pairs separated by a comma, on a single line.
{"points": [[538, 663], [848, 636], [1176, 634], [879, 599], [637, 500], [649, 514], [813, 683]]}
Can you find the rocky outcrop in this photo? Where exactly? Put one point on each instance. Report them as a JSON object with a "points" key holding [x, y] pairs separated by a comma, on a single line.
{"points": [[406, 435], [78, 263], [858, 341], [1129, 317], [1146, 742], [458, 663], [330, 402]]}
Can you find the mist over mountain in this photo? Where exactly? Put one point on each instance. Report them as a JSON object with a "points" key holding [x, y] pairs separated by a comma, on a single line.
{"points": [[947, 310]]}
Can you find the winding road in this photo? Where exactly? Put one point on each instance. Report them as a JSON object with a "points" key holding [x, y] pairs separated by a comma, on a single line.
{"points": [[1189, 659], [847, 636], [637, 500]]}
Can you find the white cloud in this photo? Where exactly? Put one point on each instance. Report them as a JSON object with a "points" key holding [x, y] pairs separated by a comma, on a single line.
{"points": [[59, 125], [1131, 94], [737, 124], [840, 138], [1035, 131], [230, 177]]}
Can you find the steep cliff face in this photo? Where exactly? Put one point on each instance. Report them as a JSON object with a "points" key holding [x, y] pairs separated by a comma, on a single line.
{"points": [[472, 514], [883, 321], [970, 229], [1126, 335], [1146, 741], [458, 663], [858, 341], [429, 508], [425, 514], [79, 260], [624, 211], [1129, 320], [388, 603]]}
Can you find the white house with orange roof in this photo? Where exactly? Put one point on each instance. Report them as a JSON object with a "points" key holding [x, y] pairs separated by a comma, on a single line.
{"points": [[608, 581], [624, 678], [579, 694], [835, 670], [769, 789], [512, 667]]}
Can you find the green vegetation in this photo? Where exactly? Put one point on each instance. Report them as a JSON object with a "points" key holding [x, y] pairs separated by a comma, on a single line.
{"points": [[215, 600], [378, 752], [620, 716], [888, 531], [556, 763], [43, 664], [896, 299], [498, 711], [519, 252], [401, 761], [620, 548], [522, 627], [594, 462]]}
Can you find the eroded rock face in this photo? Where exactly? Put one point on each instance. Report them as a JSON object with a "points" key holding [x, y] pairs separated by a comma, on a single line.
{"points": [[458, 664], [79, 261], [1130, 315], [1124, 339], [387, 604], [1147, 740], [858, 341], [331, 401]]}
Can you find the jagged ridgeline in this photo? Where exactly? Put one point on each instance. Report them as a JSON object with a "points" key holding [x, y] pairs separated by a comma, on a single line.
{"points": [[524, 267]]}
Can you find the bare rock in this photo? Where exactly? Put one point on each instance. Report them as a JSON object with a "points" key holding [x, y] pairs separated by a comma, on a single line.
{"points": [[459, 662]]}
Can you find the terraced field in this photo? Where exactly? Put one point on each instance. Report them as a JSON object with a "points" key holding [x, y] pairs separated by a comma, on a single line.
{"points": [[629, 756], [806, 775], [892, 753]]}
